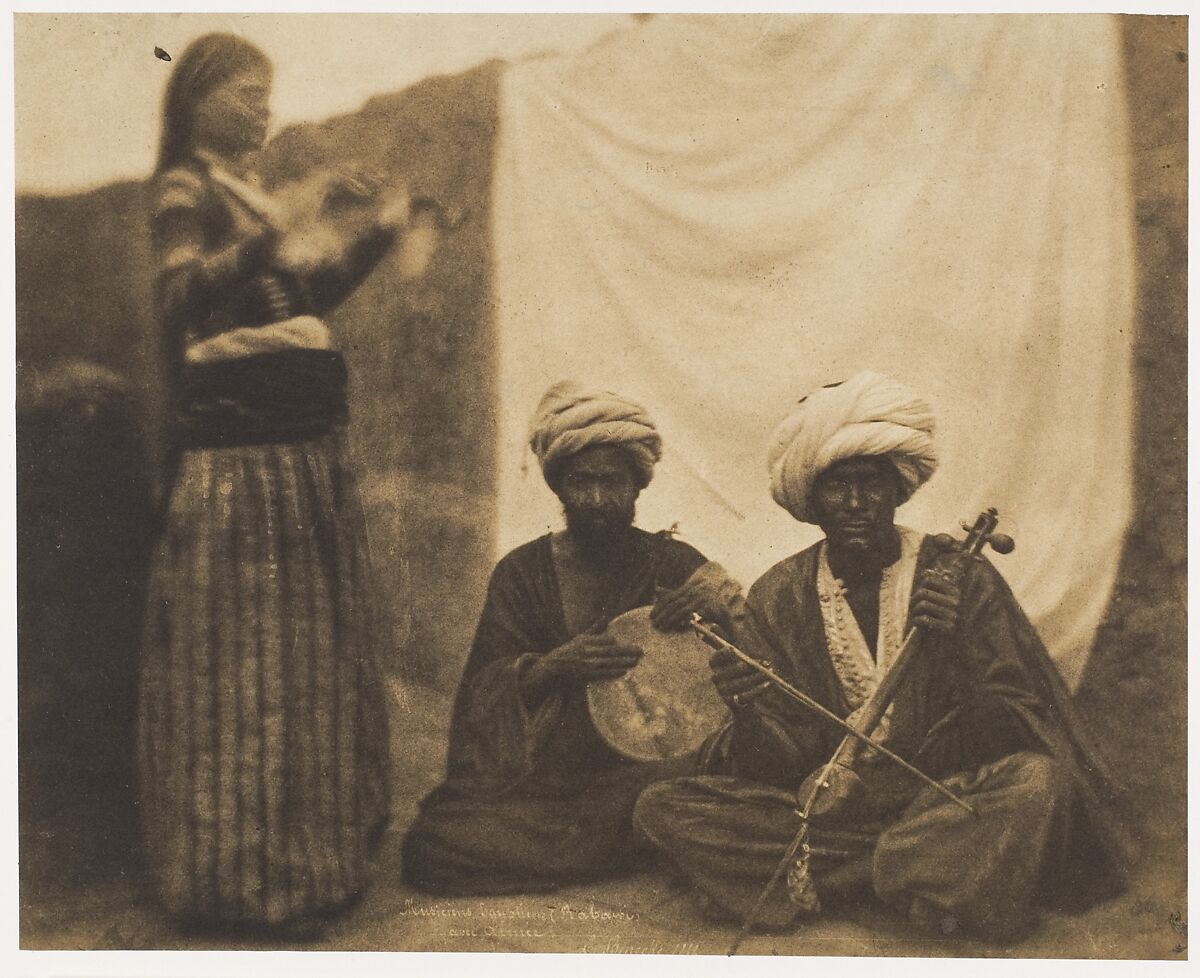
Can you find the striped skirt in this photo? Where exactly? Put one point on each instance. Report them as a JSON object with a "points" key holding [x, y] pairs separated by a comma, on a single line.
{"points": [[262, 730]]}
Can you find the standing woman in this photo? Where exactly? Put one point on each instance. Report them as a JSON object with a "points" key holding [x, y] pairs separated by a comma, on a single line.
{"points": [[262, 741]]}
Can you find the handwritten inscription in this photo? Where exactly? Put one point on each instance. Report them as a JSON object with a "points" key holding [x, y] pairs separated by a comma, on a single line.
{"points": [[585, 927], [550, 914], [655, 947]]}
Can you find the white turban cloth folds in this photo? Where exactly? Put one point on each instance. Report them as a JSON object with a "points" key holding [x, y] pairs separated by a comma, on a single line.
{"points": [[570, 418], [869, 414]]}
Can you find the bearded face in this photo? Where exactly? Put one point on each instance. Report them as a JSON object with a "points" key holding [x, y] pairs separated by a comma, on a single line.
{"points": [[599, 496]]}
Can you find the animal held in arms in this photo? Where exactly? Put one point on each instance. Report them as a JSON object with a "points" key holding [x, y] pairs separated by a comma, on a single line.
{"points": [[323, 215]]}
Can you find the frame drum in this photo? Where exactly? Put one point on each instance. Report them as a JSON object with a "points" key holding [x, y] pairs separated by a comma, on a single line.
{"points": [[666, 705]]}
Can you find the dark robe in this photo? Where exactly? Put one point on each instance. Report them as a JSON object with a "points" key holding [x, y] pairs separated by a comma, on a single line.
{"points": [[534, 797], [985, 709]]}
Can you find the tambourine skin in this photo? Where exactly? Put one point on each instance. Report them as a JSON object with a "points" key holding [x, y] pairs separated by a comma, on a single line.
{"points": [[666, 706]]}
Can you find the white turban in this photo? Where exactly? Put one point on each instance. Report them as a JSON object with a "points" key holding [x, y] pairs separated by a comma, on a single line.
{"points": [[869, 414], [571, 418]]}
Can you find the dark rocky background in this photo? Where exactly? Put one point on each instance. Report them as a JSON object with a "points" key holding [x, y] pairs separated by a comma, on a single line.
{"points": [[1135, 687], [421, 357]]}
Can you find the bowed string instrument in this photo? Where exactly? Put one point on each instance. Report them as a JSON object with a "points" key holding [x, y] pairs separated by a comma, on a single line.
{"points": [[835, 785]]}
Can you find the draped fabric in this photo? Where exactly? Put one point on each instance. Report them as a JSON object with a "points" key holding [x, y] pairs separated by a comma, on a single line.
{"points": [[717, 214]]}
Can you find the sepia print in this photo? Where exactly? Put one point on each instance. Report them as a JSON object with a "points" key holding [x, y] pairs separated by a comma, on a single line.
{"points": [[622, 484]]}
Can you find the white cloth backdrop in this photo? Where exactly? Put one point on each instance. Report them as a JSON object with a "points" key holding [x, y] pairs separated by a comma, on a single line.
{"points": [[714, 214]]}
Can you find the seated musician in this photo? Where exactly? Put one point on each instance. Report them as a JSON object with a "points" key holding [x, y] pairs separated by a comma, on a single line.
{"points": [[534, 797], [982, 708]]}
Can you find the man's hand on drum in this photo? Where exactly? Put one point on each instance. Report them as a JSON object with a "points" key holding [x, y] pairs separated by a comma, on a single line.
{"points": [[588, 658], [709, 592], [738, 684]]}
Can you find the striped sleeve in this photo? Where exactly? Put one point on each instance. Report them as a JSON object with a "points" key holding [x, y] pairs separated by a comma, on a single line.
{"points": [[193, 276], [178, 190]]}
